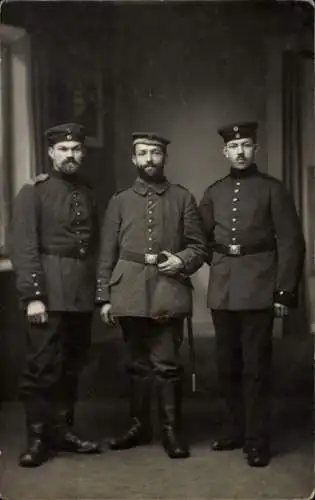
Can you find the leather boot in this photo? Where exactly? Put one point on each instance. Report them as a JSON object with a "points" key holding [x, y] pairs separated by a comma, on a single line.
{"points": [[63, 439], [140, 431], [170, 402], [36, 451]]}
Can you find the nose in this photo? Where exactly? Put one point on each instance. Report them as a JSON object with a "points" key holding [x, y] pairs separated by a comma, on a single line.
{"points": [[70, 153], [240, 149]]}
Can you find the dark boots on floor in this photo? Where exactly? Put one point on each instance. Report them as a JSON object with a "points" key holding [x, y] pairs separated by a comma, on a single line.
{"points": [[170, 403], [140, 431], [36, 452], [64, 439]]}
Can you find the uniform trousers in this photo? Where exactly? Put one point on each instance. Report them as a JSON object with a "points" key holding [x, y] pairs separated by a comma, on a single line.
{"points": [[244, 358], [56, 353], [153, 347]]}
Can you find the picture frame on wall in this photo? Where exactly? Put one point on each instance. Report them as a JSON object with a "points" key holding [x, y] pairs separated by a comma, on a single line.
{"points": [[79, 98]]}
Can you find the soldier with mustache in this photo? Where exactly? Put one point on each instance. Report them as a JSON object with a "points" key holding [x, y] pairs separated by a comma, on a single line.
{"points": [[55, 237], [256, 253]]}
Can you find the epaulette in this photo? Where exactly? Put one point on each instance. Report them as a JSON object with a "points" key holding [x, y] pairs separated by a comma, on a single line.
{"points": [[37, 179], [120, 191], [183, 187], [218, 181], [269, 177]]}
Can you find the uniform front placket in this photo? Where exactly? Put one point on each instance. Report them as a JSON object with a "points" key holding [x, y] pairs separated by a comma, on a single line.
{"points": [[149, 220], [235, 211], [78, 214]]}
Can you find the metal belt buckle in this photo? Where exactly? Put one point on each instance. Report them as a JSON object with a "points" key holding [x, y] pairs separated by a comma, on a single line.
{"points": [[150, 258], [234, 249]]}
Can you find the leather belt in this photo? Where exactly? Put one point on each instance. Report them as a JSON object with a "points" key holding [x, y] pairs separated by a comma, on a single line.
{"points": [[72, 253], [240, 250], [140, 258]]}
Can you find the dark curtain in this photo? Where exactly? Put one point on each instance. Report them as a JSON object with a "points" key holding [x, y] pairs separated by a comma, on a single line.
{"points": [[297, 322]]}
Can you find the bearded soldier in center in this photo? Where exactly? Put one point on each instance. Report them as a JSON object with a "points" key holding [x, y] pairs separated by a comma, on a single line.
{"points": [[151, 242]]}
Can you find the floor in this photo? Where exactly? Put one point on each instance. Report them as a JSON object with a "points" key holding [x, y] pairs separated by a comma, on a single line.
{"points": [[147, 473]]}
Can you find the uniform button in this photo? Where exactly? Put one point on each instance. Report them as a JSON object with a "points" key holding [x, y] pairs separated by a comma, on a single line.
{"points": [[36, 284], [235, 199], [150, 212], [37, 292], [150, 249], [150, 230], [236, 190], [233, 239], [233, 220], [82, 251], [150, 221], [79, 213], [238, 183], [150, 238], [150, 193], [233, 228], [234, 209], [33, 275], [150, 202]]}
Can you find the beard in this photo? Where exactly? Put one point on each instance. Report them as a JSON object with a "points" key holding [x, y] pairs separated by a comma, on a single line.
{"points": [[156, 175], [69, 167]]}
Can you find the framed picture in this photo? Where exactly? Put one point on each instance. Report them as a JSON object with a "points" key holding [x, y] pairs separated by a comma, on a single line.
{"points": [[78, 98]]}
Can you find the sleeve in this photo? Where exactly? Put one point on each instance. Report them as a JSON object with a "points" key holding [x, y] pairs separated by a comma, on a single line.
{"points": [[25, 256], [206, 212], [290, 245], [194, 253], [109, 250]]}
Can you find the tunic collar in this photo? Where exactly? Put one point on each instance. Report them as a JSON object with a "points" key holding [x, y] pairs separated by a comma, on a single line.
{"points": [[246, 172], [142, 187]]}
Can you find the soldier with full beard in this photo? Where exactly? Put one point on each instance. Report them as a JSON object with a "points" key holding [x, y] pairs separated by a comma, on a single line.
{"points": [[54, 243], [151, 243]]}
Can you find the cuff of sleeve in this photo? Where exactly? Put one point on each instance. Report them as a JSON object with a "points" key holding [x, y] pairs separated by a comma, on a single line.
{"points": [[102, 293], [288, 299]]}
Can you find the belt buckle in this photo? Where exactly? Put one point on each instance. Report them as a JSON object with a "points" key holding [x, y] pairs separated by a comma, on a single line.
{"points": [[235, 250], [150, 258]]}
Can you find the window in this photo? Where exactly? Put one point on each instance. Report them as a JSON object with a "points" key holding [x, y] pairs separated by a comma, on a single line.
{"points": [[17, 159]]}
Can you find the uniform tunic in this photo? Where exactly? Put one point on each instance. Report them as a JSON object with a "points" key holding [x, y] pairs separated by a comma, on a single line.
{"points": [[249, 208], [148, 219], [54, 243]]}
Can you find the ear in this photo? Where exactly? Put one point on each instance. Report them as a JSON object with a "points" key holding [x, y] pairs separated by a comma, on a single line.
{"points": [[256, 148], [51, 152], [133, 159], [225, 151]]}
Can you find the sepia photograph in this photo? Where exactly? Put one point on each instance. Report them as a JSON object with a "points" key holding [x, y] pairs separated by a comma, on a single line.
{"points": [[157, 250]]}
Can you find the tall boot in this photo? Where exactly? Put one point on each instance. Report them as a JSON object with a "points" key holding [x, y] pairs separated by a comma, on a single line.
{"points": [[170, 403], [36, 452], [140, 431], [64, 439]]}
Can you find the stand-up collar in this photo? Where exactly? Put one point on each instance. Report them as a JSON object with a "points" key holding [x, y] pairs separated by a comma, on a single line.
{"points": [[142, 187], [246, 172], [71, 178]]}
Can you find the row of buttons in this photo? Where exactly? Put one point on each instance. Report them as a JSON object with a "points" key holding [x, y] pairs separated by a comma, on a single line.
{"points": [[75, 196], [234, 208], [150, 220], [36, 284]]}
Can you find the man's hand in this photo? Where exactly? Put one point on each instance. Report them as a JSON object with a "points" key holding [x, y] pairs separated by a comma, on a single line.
{"points": [[280, 310], [36, 312], [172, 265], [106, 314]]}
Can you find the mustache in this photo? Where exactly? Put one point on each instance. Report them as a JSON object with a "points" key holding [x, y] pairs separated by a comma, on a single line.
{"points": [[70, 160]]}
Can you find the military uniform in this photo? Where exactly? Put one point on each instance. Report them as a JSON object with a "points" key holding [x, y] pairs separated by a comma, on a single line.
{"points": [[256, 252], [55, 238], [141, 222]]}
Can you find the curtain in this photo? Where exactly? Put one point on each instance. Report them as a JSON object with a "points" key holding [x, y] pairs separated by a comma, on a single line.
{"points": [[297, 322]]}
